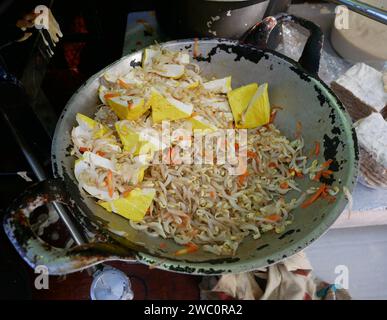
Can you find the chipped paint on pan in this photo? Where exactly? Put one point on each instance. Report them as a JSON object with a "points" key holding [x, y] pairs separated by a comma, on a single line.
{"points": [[324, 119]]}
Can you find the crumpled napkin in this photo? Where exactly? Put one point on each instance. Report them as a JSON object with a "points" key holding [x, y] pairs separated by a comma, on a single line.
{"points": [[290, 279]]}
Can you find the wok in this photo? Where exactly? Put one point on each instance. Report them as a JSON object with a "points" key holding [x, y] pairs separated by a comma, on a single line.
{"points": [[292, 85]]}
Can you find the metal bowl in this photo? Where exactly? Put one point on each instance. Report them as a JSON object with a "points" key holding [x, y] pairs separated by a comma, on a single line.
{"points": [[303, 96]]}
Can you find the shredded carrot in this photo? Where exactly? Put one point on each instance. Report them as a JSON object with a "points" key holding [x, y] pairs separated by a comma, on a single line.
{"points": [[317, 148], [313, 198], [296, 173], [167, 215], [185, 221], [273, 114], [127, 191], [243, 177], [111, 95], [272, 165], [252, 155], [323, 173], [327, 163], [123, 84], [284, 185], [236, 147], [326, 173], [325, 195], [274, 217], [212, 194], [189, 248], [171, 154], [317, 176], [101, 153], [83, 149], [130, 104], [109, 182], [194, 232], [192, 246]]}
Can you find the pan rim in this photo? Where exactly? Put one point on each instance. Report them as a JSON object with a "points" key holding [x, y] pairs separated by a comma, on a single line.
{"points": [[203, 268]]}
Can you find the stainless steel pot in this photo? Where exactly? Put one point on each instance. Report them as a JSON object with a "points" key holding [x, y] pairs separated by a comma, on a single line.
{"points": [[299, 91]]}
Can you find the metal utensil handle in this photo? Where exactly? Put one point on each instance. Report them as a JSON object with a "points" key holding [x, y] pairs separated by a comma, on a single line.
{"points": [[260, 36], [36, 252], [16, 222], [10, 112], [364, 9]]}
